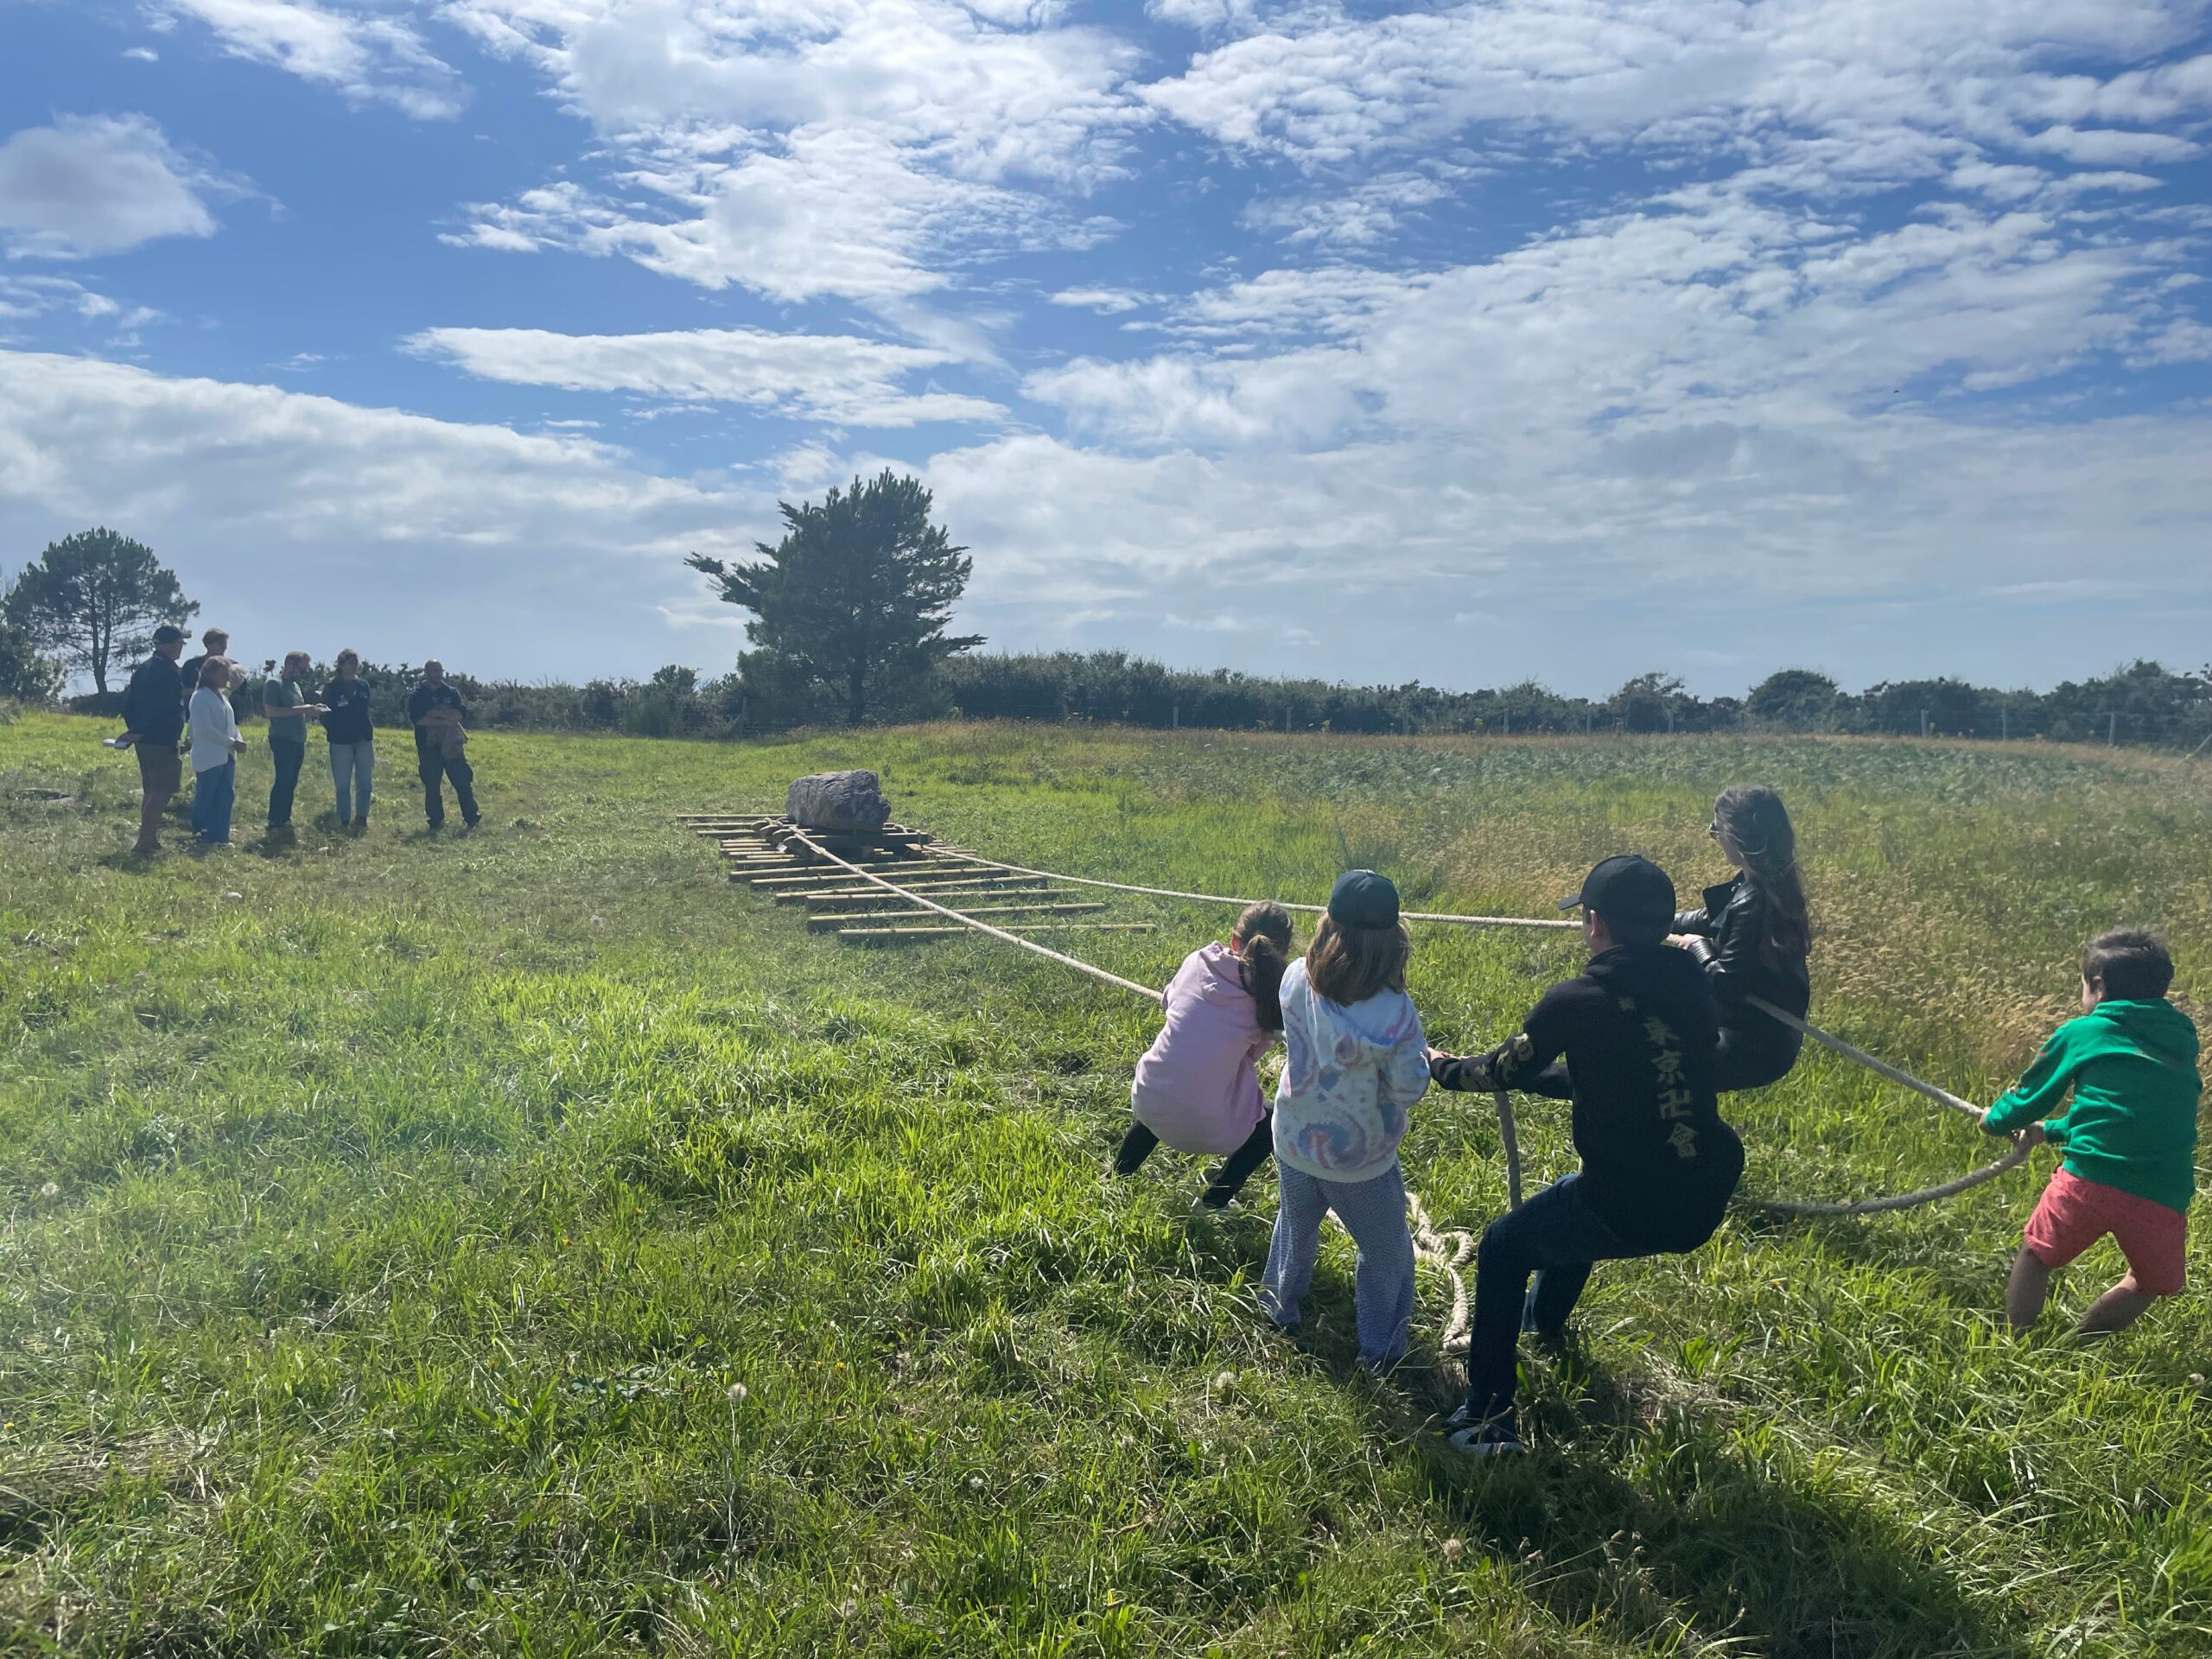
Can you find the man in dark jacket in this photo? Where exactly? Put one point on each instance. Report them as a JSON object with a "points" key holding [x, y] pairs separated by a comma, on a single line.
{"points": [[434, 710], [153, 721], [213, 643], [1637, 1030]]}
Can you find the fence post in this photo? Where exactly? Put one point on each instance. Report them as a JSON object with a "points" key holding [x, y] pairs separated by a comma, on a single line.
{"points": [[2004, 723], [1586, 718], [2112, 729], [1175, 719], [1508, 718], [1923, 722], [742, 697], [1286, 722]]}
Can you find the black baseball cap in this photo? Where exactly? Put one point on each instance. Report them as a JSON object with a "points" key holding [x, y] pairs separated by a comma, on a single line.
{"points": [[1362, 899], [1629, 891], [169, 635]]}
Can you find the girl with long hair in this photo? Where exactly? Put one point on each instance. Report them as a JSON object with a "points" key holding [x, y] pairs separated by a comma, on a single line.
{"points": [[1354, 1061], [1753, 935], [1198, 1087]]}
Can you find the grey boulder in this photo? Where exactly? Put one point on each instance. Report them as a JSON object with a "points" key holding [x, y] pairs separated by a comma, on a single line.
{"points": [[851, 801]]}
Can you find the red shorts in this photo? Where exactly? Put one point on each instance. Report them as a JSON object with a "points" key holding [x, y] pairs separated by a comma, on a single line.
{"points": [[2075, 1214]]}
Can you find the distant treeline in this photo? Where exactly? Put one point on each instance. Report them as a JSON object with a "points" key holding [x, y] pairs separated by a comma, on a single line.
{"points": [[2145, 703]]}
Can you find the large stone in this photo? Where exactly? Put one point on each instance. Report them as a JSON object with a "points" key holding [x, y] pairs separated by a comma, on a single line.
{"points": [[849, 801]]}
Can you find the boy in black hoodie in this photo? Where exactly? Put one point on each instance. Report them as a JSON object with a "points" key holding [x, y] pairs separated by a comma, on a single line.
{"points": [[1637, 1030]]}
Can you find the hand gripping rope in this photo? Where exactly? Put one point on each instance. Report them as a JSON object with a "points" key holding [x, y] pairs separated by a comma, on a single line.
{"points": [[1449, 1250]]}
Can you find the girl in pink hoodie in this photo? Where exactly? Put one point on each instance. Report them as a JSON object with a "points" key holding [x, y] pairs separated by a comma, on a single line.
{"points": [[1197, 1088]]}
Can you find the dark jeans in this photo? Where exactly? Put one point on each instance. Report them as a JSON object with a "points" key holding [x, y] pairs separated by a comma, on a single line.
{"points": [[1753, 1056], [435, 768], [212, 793], [1225, 1183], [1555, 1235], [288, 758]]}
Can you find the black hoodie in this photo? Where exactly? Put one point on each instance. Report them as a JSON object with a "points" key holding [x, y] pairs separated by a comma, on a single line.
{"points": [[1636, 1028]]}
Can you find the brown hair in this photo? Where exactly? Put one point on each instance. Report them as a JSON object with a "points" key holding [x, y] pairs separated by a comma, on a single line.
{"points": [[2131, 962], [1752, 816], [213, 665], [1350, 964], [1262, 937], [348, 655]]}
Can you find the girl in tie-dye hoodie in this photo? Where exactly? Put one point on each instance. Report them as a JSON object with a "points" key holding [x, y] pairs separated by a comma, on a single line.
{"points": [[1355, 1059]]}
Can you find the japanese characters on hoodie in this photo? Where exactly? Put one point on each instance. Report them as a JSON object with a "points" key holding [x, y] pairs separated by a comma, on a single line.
{"points": [[1349, 1074]]}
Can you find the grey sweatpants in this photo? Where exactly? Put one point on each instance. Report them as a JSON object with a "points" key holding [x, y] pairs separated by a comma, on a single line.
{"points": [[1374, 1213]]}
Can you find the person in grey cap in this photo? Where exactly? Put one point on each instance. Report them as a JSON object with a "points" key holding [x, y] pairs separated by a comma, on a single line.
{"points": [[1638, 1030], [1354, 1060], [153, 720]]}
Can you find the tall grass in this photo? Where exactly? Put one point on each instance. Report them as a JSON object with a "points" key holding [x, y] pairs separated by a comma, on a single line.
{"points": [[528, 1244]]}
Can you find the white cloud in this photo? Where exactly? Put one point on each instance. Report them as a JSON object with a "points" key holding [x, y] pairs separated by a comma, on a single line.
{"points": [[830, 213], [91, 185], [141, 54], [832, 378], [1106, 301], [1324, 85], [864, 148], [366, 55], [517, 554]]}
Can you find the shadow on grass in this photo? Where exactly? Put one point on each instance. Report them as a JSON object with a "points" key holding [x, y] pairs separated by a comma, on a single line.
{"points": [[1699, 1537]]}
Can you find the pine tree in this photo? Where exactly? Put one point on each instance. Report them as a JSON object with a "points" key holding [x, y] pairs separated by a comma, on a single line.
{"points": [[857, 595], [92, 598]]}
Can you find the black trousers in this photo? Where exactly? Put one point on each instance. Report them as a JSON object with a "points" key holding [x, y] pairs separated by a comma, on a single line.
{"points": [[1753, 1056], [288, 758], [435, 769], [1223, 1184]]}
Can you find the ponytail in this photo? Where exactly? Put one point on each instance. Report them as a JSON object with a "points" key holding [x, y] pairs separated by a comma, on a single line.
{"points": [[1754, 819], [1263, 936]]}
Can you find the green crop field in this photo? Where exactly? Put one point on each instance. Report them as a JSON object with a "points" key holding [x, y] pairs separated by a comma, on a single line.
{"points": [[530, 1244]]}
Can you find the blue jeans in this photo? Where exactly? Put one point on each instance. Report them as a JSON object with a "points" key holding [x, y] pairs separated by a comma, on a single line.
{"points": [[1557, 1236], [288, 758], [353, 769], [1374, 1213], [213, 793]]}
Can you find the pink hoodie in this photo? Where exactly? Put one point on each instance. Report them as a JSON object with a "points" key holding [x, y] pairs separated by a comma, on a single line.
{"points": [[1195, 1087]]}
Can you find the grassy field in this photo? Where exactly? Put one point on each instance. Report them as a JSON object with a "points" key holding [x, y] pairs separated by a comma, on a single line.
{"points": [[528, 1244]]}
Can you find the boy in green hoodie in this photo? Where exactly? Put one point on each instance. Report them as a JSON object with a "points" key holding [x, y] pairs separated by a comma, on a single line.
{"points": [[2129, 1137]]}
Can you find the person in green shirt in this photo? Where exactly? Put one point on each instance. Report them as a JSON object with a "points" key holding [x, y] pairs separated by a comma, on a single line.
{"points": [[2128, 1137], [286, 708]]}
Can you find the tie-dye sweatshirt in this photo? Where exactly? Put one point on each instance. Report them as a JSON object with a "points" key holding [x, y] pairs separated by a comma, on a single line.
{"points": [[1349, 1074]]}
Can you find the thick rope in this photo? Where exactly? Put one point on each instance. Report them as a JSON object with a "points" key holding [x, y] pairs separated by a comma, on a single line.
{"points": [[1064, 960], [1219, 898], [2011, 1159]]}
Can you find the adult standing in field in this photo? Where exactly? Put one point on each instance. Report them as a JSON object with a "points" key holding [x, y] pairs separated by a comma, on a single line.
{"points": [[345, 721], [1752, 937], [216, 747], [215, 642], [435, 711], [153, 720], [285, 707]]}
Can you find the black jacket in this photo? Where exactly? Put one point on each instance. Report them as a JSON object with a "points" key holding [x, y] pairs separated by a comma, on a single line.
{"points": [[1734, 917], [1637, 1029], [348, 720], [153, 704]]}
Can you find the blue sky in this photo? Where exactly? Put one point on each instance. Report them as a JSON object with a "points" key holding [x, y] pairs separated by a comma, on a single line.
{"points": [[1544, 338]]}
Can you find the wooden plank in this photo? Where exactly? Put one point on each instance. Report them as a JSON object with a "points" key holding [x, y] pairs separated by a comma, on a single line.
{"points": [[823, 922], [875, 933], [777, 876], [939, 890], [943, 884]]}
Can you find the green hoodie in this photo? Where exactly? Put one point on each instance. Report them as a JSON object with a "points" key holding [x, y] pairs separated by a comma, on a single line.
{"points": [[2133, 1125]]}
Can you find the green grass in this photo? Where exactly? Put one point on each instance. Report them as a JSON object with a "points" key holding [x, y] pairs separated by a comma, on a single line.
{"points": [[530, 1244]]}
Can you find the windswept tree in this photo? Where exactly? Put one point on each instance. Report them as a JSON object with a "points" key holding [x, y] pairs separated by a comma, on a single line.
{"points": [[92, 600], [857, 597], [24, 673]]}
